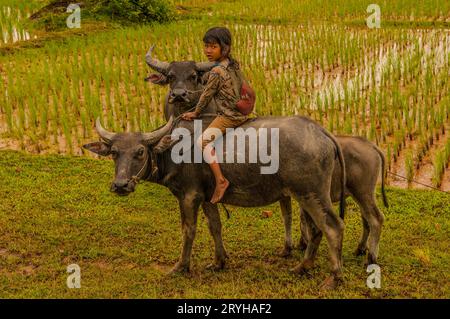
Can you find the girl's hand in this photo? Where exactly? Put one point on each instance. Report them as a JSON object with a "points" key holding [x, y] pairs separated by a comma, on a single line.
{"points": [[189, 116]]}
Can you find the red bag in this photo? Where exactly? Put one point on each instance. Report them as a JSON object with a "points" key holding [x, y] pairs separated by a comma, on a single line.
{"points": [[247, 102], [247, 99]]}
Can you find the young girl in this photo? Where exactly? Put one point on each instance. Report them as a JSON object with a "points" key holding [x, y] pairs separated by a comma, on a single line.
{"points": [[217, 47]]}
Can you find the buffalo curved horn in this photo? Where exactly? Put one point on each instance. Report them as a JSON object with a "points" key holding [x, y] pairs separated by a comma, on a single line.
{"points": [[204, 66], [104, 134], [155, 64], [156, 135]]}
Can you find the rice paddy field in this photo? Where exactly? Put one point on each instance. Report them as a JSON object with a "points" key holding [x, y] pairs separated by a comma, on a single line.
{"points": [[12, 16], [314, 58], [389, 84]]}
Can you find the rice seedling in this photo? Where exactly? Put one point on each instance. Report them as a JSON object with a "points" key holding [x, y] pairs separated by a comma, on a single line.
{"points": [[409, 166], [390, 85], [12, 14], [409, 11], [438, 168]]}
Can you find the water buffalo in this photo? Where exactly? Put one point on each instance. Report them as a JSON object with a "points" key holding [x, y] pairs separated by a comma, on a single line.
{"points": [[363, 160], [307, 155], [185, 80], [360, 155]]}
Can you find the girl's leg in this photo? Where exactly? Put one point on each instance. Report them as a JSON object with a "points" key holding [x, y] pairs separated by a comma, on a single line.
{"points": [[221, 182], [221, 123]]}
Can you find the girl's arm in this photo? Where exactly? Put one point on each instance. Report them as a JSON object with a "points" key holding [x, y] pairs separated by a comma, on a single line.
{"points": [[209, 91]]}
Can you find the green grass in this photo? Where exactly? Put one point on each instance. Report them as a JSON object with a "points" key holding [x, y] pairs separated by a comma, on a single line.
{"points": [[57, 210]]}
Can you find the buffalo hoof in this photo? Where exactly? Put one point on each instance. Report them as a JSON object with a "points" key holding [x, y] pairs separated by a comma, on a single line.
{"points": [[179, 269], [370, 260], [216, 266], [302, 245], [331, 283], [285, 253], [360, 252], [303, 268]]}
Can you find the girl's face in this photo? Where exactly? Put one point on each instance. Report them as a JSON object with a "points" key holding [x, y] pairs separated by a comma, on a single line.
{"points": [[212, 51]]}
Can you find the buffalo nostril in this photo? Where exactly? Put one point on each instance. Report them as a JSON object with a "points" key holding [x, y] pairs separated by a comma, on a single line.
{"points": [[121, 184]]}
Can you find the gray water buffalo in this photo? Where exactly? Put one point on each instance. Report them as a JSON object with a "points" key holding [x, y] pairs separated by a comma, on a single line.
{"points": [[363, 161], [360, 155], [306, 155]]}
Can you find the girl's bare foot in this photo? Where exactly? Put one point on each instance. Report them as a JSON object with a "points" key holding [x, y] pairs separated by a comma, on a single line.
{"points": [[219, 191]]}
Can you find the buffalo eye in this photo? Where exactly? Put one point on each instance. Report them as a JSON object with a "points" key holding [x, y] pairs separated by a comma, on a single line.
{"points": [[193, 77], [114, 153], [140, 152]]}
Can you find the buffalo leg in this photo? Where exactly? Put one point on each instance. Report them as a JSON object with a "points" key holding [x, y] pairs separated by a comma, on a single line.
{"points": [[303, 242], [362, 246], [312, 236], [215, 228], [321, 211], [375, 219], [189, 210], [286, 212]]}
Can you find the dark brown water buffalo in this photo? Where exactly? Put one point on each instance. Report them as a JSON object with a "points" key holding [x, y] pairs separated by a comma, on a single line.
{"points": [[306, 155], [363, 161], [185, 80]]}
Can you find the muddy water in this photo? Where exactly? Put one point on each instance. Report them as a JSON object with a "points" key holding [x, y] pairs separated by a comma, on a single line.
{"points": [[424, 175], [10, 25], [383, 59]]}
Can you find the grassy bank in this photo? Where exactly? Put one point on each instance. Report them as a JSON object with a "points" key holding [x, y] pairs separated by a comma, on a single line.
{"points": [[57, 210]]}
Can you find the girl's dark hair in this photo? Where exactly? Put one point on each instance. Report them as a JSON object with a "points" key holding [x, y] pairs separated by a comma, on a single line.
{"points": [[221, 36]]}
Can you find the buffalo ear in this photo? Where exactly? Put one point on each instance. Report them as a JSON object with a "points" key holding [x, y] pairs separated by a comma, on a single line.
{"points": [[157, 78], [203, 77], [165, 143], [100, 148]]}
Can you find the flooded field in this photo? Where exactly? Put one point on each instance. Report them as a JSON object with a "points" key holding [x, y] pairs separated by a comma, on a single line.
{"points": [[11, 23], [390, 85]]}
